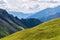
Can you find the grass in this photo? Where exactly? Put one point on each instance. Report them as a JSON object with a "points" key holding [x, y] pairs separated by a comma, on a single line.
{"points": [[46, 31]]}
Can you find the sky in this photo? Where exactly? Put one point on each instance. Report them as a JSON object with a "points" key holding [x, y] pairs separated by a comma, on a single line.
{"points": [[28, 6]]}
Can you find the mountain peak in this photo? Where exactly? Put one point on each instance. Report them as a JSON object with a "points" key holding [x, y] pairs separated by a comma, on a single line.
{"points": [[3, 11]]}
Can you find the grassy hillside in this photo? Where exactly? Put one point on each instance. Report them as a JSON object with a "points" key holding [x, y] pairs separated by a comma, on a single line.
{"points": [[47, 31]]}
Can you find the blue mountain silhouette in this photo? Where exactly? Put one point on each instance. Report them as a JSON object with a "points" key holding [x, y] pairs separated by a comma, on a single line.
{"points": [[47, 14]]}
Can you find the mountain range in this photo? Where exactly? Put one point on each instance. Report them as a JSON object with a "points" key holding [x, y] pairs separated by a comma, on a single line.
{"points": [[43, 25], [20, 14], [47, 14], [10, 24]]}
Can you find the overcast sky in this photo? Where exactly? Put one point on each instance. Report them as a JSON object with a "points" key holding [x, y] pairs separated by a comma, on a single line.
{"points": [[28, 6]]}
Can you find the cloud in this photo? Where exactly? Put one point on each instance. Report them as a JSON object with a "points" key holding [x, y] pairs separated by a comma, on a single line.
{"points": [[29, 6], [2, 4]]}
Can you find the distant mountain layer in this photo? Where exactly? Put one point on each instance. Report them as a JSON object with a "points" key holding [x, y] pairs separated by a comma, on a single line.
{"points": [[57, 15], [10, 24], [47, 14], [19, 14], [46, 31]]}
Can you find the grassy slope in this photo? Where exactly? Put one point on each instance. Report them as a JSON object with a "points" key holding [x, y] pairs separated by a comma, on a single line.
{"points": [[47, 31]]}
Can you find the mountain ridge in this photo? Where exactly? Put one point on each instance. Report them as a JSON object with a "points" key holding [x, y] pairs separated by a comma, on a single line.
{"points": [[14, 24], [19, 14], [46, 13]]}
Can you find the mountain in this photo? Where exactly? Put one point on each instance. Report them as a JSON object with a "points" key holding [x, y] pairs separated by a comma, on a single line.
{"points": [[19, 14], [30, 22], [49, 30], [10, 24], [57, 15], [9, 18], [4, 31], [46, 13]]}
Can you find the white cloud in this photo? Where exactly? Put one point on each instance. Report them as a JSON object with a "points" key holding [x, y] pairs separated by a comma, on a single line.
{"points": [[30, 6], [2, 4]]}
